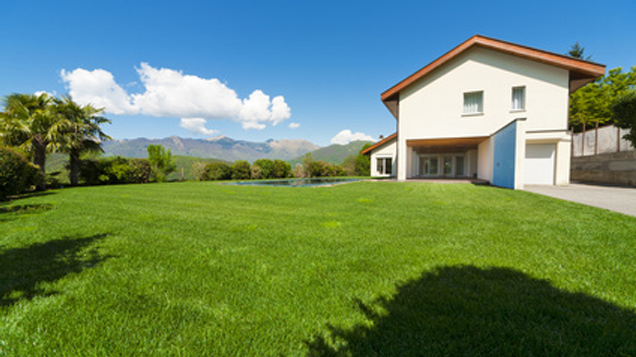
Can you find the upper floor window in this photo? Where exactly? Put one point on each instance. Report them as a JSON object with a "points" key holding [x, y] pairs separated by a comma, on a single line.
{"points": [[474, 102], [518, 98]]}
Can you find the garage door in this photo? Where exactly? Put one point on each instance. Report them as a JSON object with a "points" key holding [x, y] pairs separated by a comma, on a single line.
{"points": [[540, 164]]}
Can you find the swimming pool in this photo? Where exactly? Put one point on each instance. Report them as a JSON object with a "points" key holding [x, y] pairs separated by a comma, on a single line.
{"points": [[305, 182]]}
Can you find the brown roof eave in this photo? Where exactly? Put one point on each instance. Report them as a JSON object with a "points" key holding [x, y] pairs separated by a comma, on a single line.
{"points": [[379, 143]]}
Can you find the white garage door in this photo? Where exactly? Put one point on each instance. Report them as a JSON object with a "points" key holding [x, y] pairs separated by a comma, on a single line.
{"points": [[540, 164]]}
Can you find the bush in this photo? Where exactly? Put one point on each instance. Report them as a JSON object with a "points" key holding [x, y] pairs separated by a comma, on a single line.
{"points": [[140, 170], [255, 172], [114, 170], [332, 170], [267, 168], [217, 171], [281, 169], [17, 174], [624, 112], [315, 169], [241, 170], [199, 170]]}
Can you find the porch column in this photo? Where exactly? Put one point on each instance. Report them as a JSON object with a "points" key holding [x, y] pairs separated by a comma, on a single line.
{"points": [[403, 158]]}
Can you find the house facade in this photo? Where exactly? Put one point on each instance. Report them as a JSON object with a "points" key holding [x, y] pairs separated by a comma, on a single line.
{"points": [[488, 109]]}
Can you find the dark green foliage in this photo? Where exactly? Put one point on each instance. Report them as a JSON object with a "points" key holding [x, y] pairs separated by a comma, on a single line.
{"points": [[592, 104], [315, 169], [17, 174], [216, 171], [114, 170], [281, 169], [577, 51], [161, 162], [624, 113], [140, 170], [332, 170], [241, 170], [349, 165], [266, 168], [363, 163], [255, 172]]}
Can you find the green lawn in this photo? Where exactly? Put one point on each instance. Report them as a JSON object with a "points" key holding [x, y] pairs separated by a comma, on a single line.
{"points": [[361, 269]]}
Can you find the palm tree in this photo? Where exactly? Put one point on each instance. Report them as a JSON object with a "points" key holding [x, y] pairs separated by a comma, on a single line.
{"points": [[30, 123], [81, 131]]}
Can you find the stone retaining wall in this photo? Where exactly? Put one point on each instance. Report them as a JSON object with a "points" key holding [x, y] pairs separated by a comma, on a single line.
{"points": [[614, 168]]}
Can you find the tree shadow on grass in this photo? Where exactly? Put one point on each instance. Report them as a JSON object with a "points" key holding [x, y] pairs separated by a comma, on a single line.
{"points": [[469, 311], [23, 270]]}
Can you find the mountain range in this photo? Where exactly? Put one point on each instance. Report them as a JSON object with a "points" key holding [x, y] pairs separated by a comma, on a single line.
{"points": [[230, 150]]}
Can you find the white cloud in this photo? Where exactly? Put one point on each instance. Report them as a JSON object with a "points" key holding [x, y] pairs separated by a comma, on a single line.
{"points": [[196, 126], [294, 125], [98, 87], [346, 136], [170, 93], [40, 92]]}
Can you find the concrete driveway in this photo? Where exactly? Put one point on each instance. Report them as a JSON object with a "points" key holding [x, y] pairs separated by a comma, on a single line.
{"points": [[618, 199]]}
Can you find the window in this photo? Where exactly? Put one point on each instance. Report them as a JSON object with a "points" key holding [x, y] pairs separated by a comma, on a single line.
{"points": [[518, 98], [384, 165], [474, 103]]}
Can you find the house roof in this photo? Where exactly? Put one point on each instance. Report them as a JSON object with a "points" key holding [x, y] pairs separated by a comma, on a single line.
{"points": [[581, 71], [379, 143]]}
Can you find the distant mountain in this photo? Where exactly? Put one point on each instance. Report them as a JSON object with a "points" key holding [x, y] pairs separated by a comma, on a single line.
{"points": [[221, 147], [334, 154]]}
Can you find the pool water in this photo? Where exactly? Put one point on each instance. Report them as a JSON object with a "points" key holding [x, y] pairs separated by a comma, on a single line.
{"points": [[305, 182]]}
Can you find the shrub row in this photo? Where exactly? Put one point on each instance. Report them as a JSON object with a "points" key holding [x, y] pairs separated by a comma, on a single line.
{"points": [[242, 170], [17, 174], [114, 170], [265, 169]]}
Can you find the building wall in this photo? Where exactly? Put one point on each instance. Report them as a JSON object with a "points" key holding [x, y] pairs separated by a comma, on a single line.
{"points": [[388, 150], [432, 107]]}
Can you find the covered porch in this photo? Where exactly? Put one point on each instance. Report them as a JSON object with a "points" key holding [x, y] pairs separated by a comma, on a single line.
{"points": [[444, 158]]}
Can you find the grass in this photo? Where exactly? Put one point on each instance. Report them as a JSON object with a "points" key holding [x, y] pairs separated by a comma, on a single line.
{"points": [[362, 269]]}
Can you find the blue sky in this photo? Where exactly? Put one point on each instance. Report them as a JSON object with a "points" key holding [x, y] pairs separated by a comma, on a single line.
{"points": [[326, 61]]}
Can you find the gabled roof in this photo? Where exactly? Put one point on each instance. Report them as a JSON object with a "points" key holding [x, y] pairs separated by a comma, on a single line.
{"points": [[379, 143], [581, 72]]}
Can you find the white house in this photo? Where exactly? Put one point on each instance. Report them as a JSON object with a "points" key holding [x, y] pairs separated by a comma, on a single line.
{"points": [[487, 109]]}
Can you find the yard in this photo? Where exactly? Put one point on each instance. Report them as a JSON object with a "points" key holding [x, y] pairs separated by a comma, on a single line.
{"points": [[362, 269]]}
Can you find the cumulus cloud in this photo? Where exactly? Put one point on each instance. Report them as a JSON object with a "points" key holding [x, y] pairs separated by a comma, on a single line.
{"points": [[170, 93], [98, 87], [346, 136], [294, 125], [196, 126], [40, 92]]}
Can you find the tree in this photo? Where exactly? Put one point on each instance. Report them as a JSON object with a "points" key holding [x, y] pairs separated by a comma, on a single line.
{"points": [[30, 123], [592, 104], [241, 170], [218, 171], [576, 51], [267, 168], [160, 161], [624, 112], [281, 169], [363, 162], [81, 132]]}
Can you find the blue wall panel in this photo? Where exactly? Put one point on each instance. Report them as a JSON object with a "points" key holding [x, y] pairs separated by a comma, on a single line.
{"points": [[504, 153]]}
